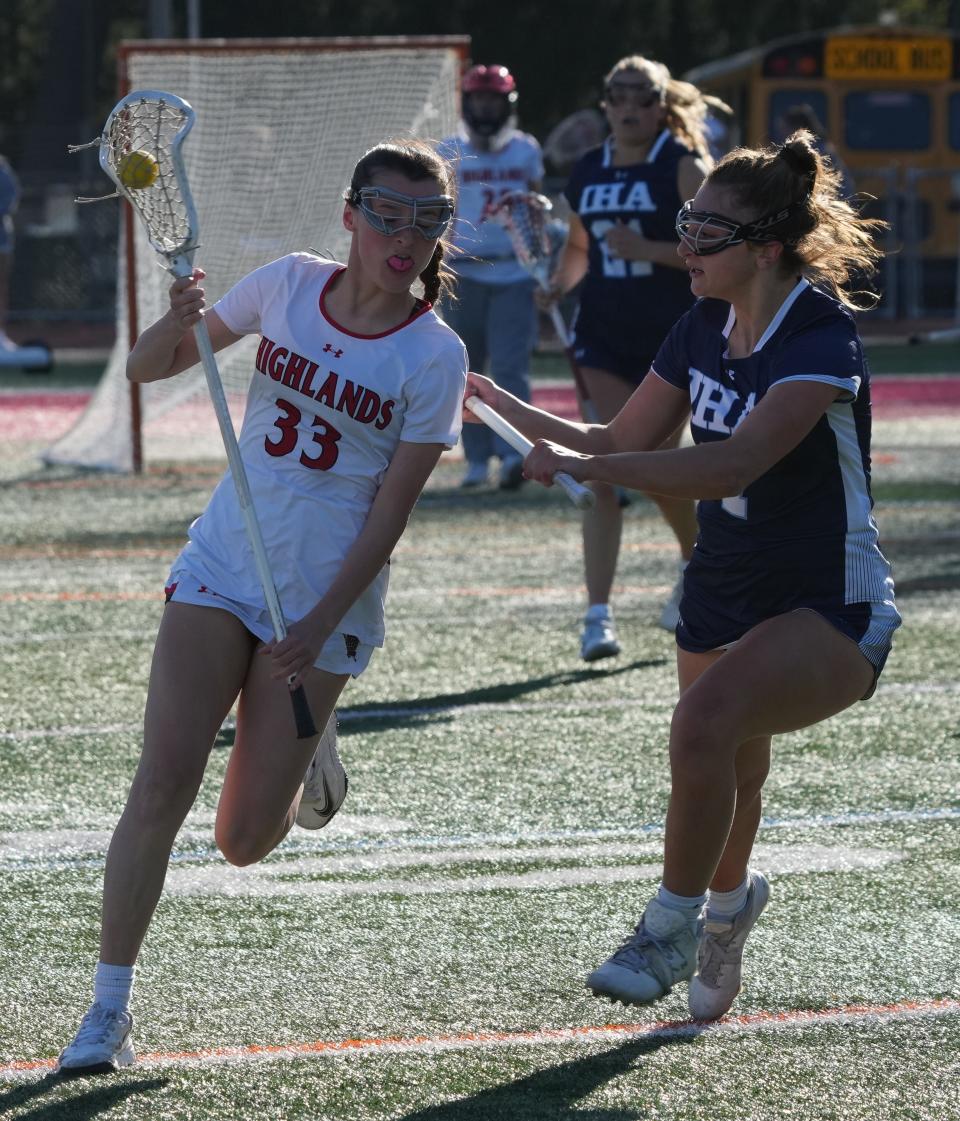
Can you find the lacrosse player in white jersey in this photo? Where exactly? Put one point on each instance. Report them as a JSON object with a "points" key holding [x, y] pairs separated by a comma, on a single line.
{"points": [[354, 393], [494, 312]]}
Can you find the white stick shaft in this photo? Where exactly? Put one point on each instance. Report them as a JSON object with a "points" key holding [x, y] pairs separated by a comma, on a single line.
{"points": [[582, 497], [239, 472], [556, 318]]}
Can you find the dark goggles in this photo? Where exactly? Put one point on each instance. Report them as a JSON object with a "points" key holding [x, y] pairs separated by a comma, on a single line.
{"points": [[618, 94], [389, 212], [707, 233]]}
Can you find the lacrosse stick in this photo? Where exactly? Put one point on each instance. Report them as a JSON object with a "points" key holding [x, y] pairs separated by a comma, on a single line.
{"points": [[140, 149], [582, 497], [523, 214]]}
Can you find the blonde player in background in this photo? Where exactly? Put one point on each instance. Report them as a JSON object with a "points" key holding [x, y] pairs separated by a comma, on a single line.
{"points": [[354, 394], [621, 245]]}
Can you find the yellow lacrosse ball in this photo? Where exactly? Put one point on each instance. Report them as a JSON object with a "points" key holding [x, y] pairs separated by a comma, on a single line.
{"points": [[138, 170]]}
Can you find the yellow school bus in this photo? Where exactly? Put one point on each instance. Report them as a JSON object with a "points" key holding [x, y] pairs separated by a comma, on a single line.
{"points": [[888, 99]]}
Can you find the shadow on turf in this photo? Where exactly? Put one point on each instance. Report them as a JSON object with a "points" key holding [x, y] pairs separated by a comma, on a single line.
{"points": [[551, 1094], [93, 1099], [387, 714]]}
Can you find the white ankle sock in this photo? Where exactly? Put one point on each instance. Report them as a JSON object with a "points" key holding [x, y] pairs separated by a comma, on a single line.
{"points": [[598, 611], [726, 904], [690, 905], [113, 985]]}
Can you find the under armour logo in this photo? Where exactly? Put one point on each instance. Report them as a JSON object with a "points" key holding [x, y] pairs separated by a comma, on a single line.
{"points": [[328, 349]]}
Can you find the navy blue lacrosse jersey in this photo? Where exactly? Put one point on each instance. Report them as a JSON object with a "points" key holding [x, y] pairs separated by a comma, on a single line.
{"points": [[802, 535], [629, 306]]}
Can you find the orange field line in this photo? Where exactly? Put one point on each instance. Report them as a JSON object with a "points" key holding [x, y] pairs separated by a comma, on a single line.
{"points": [[659, 1029]]}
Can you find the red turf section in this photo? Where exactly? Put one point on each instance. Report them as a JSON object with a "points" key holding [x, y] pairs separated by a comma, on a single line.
{"points": [[53, 412]]}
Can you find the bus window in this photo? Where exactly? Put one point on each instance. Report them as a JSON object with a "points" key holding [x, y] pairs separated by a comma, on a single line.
{"points": [[953, 119], [782, 100], [887, 120]]}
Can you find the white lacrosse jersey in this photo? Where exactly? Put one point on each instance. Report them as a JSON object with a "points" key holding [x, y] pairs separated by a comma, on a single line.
{"points": [[483, 178], [325, 411]]}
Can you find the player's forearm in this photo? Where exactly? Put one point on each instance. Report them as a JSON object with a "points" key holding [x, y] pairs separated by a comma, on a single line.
{"points": [[570, 270], [362, 564], [705, 471], [657, 252], [162, 350], [665, 253], [372, 548], [535, 424]]}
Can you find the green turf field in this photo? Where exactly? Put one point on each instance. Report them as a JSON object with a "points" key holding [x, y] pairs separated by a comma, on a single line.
{"points": [[423, 957]]}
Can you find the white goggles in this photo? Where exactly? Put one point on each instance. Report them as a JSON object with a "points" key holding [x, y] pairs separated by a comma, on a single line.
{"points": [[389, 212], [706, 233]]}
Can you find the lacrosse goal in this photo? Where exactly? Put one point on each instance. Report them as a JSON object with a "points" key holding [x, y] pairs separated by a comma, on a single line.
{"points": [[280, 126]]}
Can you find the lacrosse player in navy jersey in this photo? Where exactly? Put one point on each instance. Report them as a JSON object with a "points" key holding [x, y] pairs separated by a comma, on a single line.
{"points": [[621, 243], [354, 393], [787, 614]]}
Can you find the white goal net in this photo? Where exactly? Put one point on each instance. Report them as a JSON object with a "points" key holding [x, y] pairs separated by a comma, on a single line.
{"points": [[280, 126]]}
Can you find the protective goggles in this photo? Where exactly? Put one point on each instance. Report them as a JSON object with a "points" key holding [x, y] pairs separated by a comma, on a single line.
{"points": [[389, 212], [618, 94], [707, 233]]}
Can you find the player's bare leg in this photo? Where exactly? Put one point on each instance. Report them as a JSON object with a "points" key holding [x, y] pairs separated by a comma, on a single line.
{"points": [[789, 672], [258, 803], [602, 527], [199, 663], [752, 763]]}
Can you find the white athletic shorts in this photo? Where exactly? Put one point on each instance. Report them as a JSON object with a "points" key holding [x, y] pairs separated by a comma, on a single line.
{"points": [[341, 654]]}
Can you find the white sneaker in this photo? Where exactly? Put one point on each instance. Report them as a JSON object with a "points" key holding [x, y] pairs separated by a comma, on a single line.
{"points": [[670, 615], [476, 475], [717, 982], [599, 639], [325, 783], [104, 1042], [661, 951]]}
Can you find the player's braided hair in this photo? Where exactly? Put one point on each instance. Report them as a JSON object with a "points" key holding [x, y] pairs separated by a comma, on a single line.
{"points": [[418, 161], [685, 107], [824, 238]]}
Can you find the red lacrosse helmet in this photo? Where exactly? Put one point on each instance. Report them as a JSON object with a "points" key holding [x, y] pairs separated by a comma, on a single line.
{"points": [[489, 94], [492, 79]]}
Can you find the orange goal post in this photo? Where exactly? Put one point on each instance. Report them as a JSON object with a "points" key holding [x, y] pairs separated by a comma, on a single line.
{"points": [[280, 125]]}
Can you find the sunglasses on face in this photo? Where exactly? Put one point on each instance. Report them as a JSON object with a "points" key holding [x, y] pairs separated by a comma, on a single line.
{"points": [[389, 212], [618, 94], [705, 232]]}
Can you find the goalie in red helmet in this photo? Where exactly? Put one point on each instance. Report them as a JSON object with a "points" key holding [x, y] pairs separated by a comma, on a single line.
{"points": [[494, 312], [488, 97]]}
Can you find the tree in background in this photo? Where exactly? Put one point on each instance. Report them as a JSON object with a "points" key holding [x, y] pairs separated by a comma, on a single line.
{"points": [[556, 51], [23, 43]]}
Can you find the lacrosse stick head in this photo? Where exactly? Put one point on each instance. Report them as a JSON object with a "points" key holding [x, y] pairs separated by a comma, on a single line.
{"points": [[524, 215], [155, 124]]}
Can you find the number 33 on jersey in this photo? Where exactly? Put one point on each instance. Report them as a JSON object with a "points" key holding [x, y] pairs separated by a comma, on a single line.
{"points": [[325, 411]]}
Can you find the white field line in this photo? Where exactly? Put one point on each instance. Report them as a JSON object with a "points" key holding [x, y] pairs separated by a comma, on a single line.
{"points": [[272, 880], [852, 1016], [357, 852]]}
